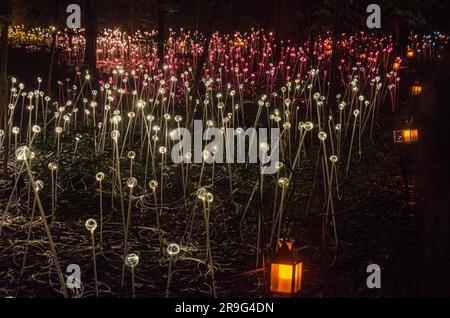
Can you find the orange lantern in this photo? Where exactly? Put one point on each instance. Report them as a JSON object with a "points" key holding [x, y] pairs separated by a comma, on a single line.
{"points": [[285, 271], [410, 53], [416, 89], [396, 66], [406, 135], [362, 56], [328, 49]]}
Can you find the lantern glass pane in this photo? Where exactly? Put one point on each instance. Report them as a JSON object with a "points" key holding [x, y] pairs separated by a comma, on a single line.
{"points": [[281, 278], [414, 135], [298, 277], [406, 135]]}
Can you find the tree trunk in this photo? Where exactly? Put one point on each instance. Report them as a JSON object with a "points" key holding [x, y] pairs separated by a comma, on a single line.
{"points": [[161, 32], [90, 54], [334, 82], [200, 64], [53, 50], [5, 17]]}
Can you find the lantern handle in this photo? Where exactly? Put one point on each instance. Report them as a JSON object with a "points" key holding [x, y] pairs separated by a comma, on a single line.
{"points": [[409, 122]]}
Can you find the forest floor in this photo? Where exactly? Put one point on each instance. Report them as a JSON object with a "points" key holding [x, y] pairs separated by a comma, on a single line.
{"points": [[376, 224]]}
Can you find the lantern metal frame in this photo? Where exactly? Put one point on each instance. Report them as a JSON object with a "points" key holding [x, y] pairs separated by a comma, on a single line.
{"points": [[288, 257], [406, 135]]}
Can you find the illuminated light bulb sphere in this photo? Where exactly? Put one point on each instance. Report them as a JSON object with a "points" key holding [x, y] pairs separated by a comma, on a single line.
{"points": [[90, 225], [131, 182], [264, 146], [178, 118], [36, 129], [153, 184], [100, 176], [15, 130], [23, 153], [283, 182], [333, 158], [286, 125], [173, 249], [58, 130], [131, 155], [39, 185], [52, 166], [115, 134], [356, 113], [187, 157], [132, 260], [322, 135], [201, 193], [279, 165], [2, 132], [209, 197], [162, 150], [116, 119], [308, 126], [205, 154]]}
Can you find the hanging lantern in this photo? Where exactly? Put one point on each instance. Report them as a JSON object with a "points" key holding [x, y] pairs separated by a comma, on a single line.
{"points": [[362, 56], [410, 53], [416, 89], [406, 136], [285, 271]]}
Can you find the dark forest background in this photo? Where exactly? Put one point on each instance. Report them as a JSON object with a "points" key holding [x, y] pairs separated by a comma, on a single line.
{"points": [[293, 19]]}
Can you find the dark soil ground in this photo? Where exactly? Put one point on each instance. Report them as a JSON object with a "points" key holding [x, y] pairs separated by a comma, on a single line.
{"points": [[377, 223]]}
